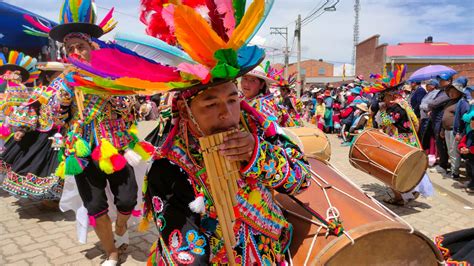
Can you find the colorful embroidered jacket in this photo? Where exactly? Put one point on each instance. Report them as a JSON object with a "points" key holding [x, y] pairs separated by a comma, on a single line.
{"points": [[399, 121], [106, 133], [190, 234], [268, 106]]}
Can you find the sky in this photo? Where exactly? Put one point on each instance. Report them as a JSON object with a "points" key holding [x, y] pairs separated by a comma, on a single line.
{"points": [[329, 36]]}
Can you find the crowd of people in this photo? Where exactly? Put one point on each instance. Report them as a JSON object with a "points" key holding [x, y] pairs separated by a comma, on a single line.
{"points": [[435, 115], [73, 140]]}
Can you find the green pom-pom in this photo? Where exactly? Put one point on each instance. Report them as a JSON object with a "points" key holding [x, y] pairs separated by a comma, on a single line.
{"points": [[82, 148], [73, 166]]}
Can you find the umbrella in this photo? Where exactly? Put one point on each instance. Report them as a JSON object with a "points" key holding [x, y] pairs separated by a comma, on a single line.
{"points": [[11, 30], [431, 71]]}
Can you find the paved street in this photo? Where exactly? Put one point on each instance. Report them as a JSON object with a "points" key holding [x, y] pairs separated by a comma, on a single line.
{"points": [[34, 235]]}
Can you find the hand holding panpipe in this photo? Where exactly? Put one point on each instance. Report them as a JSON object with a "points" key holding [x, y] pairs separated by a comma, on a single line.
{"points": [[222, 176]]}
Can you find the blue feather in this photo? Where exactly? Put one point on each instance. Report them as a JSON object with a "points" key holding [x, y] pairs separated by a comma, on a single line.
{"points": [[153, 48], [84, 13], [249, 55], [122, 49], [268, 7], [19, 59], [3, 60]]}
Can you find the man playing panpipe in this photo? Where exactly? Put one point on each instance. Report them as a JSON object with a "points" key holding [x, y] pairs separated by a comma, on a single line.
{"points": [[179, 195]]}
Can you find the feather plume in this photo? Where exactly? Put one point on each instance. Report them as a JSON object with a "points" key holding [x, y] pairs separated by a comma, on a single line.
{"points": [[73, 5], [36, 23], [199, 71], [268, 7], [216, 20], [195, 36], [239, 10], [107, 18], [3, 60], [247, 26], [153, 48], [12, 57], [168, 16], [225, 8]]}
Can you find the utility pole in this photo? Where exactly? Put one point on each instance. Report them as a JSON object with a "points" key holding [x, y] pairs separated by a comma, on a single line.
{"points": [[283, 31], [298, 63]]}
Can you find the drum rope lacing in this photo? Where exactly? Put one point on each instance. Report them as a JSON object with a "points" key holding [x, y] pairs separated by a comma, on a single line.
{"points": [[412, 229]]}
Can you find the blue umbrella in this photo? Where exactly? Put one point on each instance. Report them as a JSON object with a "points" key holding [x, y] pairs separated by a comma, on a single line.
{"points": [[11, 29], [431, 71]]}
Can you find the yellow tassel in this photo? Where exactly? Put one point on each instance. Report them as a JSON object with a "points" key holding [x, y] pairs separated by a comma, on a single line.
{"points": [[140, 151], [143, 225], [107, 150], [106, 166], [133, 130], [61, 170]]}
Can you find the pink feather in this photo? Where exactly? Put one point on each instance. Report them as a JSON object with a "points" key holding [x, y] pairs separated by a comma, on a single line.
{"points": [[198, 71], [36, 24], [110, 61], [225, 8], [168, 16], [107, 18]]}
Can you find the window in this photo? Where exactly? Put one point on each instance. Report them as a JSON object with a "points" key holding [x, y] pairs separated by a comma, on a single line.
{"points": [[321, 71]]}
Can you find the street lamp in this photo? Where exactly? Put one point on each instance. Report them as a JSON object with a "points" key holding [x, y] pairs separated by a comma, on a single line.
{"points": [[331, 8]]}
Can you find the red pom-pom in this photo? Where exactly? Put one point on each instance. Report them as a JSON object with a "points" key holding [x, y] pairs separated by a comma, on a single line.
{"points": [[147, 147], [96, 154], [118, 161]]}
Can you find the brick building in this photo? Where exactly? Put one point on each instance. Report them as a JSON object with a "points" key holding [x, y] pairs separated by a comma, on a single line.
{"points": [[371, 57], [311, 68]]}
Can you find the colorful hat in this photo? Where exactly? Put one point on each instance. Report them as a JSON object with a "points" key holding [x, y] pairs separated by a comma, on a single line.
{"points": [[76, 16], [208, 52], [24, 64], [391, 82], [260, 73]]}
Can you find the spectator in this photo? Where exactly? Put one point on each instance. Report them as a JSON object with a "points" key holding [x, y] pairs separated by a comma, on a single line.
{"points": [[466, 148], [455, 93], [436, 109], [417, 96]]}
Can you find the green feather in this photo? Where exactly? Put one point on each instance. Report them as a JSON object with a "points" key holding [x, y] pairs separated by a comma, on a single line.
{"points": [[73, 5], [239, 10]]}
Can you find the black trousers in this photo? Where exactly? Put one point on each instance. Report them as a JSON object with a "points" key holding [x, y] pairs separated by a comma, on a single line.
{"points": [[92, 183]]}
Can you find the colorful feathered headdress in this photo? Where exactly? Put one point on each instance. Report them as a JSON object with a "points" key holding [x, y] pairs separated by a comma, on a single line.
{"points": [[24, 64], [76, 16], [211, 48], [277, 75], [390, 81]]}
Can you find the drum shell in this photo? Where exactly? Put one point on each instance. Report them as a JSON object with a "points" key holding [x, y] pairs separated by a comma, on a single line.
{"points": [[312, 140], [395, 163], [380, 238]]}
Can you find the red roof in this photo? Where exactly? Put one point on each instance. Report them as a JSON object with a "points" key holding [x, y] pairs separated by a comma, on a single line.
{"points": [[430, 49]]}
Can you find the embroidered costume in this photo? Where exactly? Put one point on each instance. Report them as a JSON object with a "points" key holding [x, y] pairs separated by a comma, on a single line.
{"points": [[177, 178], [29, 163]]}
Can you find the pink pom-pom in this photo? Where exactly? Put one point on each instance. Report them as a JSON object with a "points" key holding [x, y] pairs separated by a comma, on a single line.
{"points": [[96, 154], [118, 162]]}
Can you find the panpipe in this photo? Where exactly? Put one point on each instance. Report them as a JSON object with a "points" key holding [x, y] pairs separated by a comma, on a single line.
{"points": [[222, 176]]}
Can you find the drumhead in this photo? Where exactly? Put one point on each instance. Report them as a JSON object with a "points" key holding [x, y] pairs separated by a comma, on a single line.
{"points": [[381, 243], [410, 171], [312, 141]]}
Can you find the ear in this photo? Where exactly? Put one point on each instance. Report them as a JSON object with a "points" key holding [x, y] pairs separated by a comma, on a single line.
{"points": [[183, 112]]}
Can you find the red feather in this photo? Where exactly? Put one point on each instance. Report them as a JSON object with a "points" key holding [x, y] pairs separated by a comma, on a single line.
{"points": [[194, 3], [217, 21]]}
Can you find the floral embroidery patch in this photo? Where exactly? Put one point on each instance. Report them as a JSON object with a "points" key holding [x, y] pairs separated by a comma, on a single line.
{"points": [[185, 254], [157, 204]]}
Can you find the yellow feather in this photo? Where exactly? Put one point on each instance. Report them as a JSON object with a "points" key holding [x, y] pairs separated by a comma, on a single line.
{"points": [[196, 36], [247, 25]]}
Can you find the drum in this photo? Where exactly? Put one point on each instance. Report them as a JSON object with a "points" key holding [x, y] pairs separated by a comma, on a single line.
{"points": [[312, 140], [373, 234], [395, 163]]}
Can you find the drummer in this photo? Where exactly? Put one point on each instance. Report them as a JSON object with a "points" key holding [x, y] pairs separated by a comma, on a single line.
{"points": [[399, 121]]}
